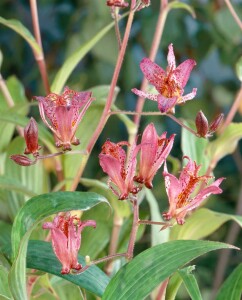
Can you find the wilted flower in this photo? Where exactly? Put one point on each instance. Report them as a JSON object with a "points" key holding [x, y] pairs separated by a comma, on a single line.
{"points": [[169, 84], [117, 3], [63, 114], [203, 128], [154, 151], [66, 239], [113, 162], [180, 191], [31, 138], [22, 160]]}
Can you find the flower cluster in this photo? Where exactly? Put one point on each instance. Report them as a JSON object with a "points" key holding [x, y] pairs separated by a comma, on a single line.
{"points": [[121, 170]]}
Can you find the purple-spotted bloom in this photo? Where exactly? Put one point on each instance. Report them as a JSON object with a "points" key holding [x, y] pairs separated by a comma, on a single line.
{"points": [[120, 170], [154, 150], [169, 83], [181, 191], [66, 239], [63, 112]]}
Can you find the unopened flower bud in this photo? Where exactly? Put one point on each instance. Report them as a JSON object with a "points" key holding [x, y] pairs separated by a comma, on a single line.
{"points": [[22, 160], [31, 137], [216, 123], [201, 124], [117, 3]]}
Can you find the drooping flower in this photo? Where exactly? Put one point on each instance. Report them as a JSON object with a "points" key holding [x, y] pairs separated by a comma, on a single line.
{"points": [[31, 138], [63, 112], [169, 84], [181, 191], [121, 170], [153, 153], [66, 239], [203, 128]]}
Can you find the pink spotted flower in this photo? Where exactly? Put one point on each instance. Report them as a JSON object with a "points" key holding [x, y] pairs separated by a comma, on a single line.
{"points": [[66, 239], [120, 169], [64, 113], [154, 150], [169, 83], [181, 191]]}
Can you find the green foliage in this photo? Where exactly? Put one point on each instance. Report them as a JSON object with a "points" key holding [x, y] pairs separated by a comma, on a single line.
{"points": [[140, 276]]}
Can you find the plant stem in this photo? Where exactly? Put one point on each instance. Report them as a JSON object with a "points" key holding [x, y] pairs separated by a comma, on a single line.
{"points": [[233, 13], [148, 222], [146, 113], [39, 57], [232, 111], [105, 114], [118, 36], [181, 124], [164, 9], [162, 290], [135, 225], [117, 224]]}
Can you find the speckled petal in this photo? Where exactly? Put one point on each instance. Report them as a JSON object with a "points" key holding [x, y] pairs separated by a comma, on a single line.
{"points": [[166, 104], [150, 96], [183, 71], [152, 72], [171, 58]]}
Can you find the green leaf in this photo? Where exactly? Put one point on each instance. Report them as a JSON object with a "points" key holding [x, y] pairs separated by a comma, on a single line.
{"points": [[157, 236], [4, 289], [174, 284], [181, 5], [226, 143], [190, 282], [70, 64], [23, 31], [140, 276], [201, 224], [35, 210], [9, 183], [194, 147], [21, 106], [40, 256], [232, 287], [239, 68]]}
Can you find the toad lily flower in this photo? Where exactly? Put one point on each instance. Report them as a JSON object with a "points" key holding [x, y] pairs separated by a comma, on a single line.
{"points": [[154, 151], [66, 239], [63, 114], [113, 162], [117, 3], [169, 84], [180, 191]]}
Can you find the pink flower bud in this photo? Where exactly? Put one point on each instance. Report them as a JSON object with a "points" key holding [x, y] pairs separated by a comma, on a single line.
{"points": [[22, 160], [117, 3], [201, 124], [31, 137], [216, 123]]}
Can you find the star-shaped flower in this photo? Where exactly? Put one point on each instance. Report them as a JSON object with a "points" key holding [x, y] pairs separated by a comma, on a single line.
{"points": [[169, 83]]}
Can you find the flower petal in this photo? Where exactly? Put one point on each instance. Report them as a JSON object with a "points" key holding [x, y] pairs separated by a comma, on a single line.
{"points": [[113, 168], [152, 72], [183, 71], [173, 186], [171, 58], [166, 104], [142, 94], [195, 202], [189, 96]]}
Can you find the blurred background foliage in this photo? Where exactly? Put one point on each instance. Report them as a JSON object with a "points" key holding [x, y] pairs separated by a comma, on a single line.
{"points": [[213, 39]]}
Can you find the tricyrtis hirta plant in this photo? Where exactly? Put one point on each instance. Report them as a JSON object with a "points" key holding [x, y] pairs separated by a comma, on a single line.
{"points": [[180, 191], [117, 165], [63, 112], [169, 83], [66, 239]]}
